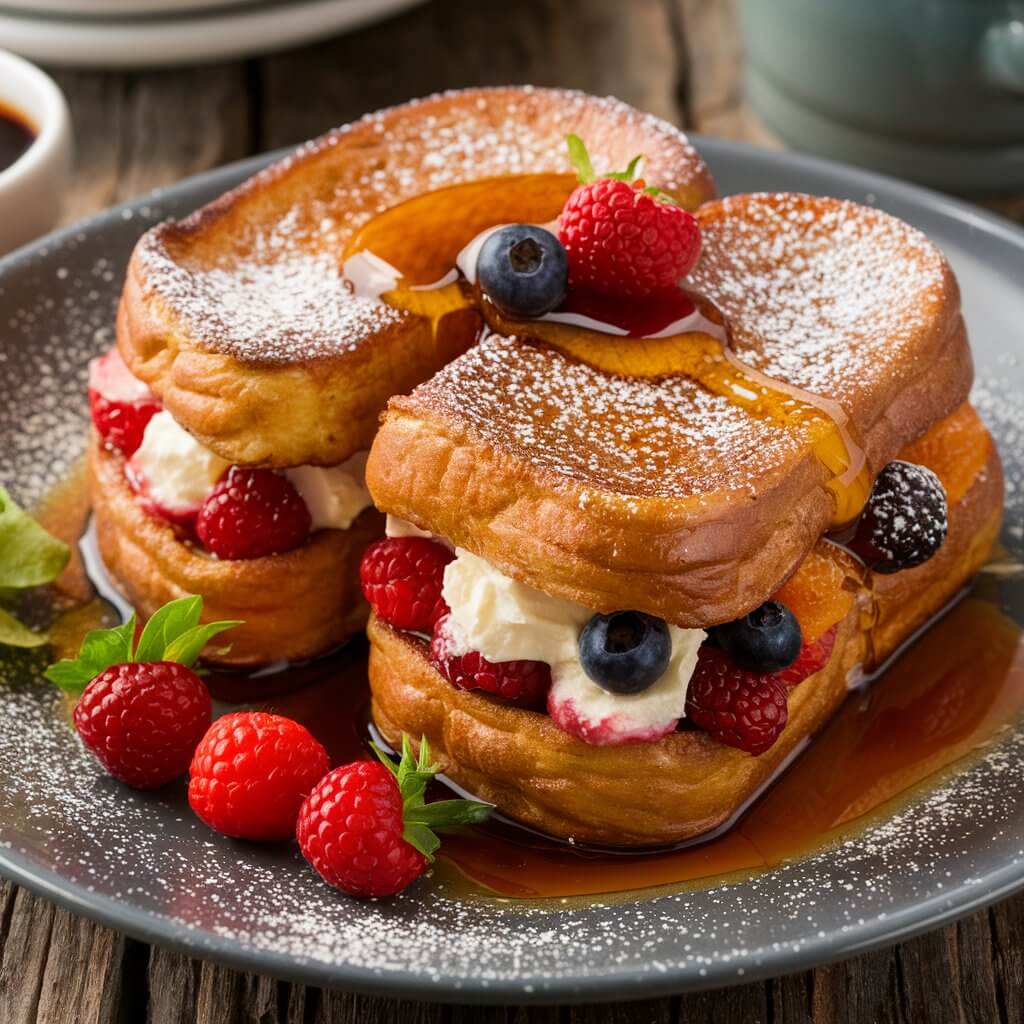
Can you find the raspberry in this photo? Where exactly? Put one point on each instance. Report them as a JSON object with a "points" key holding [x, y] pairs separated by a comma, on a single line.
{"points": [[143, 720], [350, 829], [520, 682], [402, 579], [737, 707], [624, 241], [121, 404], [251, 773], [253, 513], [367, 833], [813, 657]]}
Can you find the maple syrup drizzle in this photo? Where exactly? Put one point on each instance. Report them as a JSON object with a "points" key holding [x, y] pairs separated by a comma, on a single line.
{"points": [[427, 236], [946, 694]]}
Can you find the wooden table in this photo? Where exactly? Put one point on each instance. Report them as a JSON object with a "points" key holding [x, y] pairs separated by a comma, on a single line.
{"points": [[676, 58]]}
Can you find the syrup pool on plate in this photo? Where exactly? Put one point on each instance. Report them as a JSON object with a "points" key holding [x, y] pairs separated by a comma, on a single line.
{"points": [[947, 696]]}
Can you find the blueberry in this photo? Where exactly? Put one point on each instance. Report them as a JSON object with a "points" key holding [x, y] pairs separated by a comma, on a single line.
{"points": [[523, 270], [625, 652], [766, 640], [905, 520]]}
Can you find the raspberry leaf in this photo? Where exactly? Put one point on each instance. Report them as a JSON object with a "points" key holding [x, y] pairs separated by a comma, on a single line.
{"points": [[173, 633], [413, 774], [187, 647], [629, 174], [580, 159], [100, 649], [165, 625]]}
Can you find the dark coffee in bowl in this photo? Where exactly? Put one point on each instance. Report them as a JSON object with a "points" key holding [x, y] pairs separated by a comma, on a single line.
{"points": [[16, 135]]}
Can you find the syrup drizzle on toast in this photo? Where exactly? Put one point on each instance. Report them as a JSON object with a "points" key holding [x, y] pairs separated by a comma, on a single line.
{"points": [[423, 237]]}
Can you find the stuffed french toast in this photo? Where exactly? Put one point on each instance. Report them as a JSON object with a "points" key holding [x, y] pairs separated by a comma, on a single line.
{"points": [[252, 363], [702, 474]]}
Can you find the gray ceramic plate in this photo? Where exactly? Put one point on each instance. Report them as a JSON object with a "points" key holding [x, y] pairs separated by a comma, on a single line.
{"points": [[142, 864]]}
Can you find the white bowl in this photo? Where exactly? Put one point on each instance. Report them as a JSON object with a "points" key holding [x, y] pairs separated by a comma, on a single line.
{"points": [[32, 189]]}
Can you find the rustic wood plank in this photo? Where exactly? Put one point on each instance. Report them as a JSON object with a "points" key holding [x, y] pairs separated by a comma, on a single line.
{"points": [[93, 995], [714, 61], [602, 46], [742, 1004], [23, 960], [1006, 925], [134, 133]]}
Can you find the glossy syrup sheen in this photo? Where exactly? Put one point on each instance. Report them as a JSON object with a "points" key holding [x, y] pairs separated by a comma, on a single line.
{"points": [[423, 236], [947, 696], [16, 135]]}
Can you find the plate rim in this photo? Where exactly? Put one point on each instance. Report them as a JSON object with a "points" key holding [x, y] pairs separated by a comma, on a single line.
{"points": [[628, 983]]}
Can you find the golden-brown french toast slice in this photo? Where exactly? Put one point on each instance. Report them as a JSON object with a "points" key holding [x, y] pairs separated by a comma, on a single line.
{"points": [[665, 475], [688, 783], [239, 318]]}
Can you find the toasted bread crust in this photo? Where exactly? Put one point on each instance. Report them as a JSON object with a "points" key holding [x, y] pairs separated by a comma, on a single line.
{"points": [[687, 783], [293, 606], [652, 493], [238, 317]]}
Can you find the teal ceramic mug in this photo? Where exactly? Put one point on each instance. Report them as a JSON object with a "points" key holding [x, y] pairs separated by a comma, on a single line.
{"points": [[931, 90]]}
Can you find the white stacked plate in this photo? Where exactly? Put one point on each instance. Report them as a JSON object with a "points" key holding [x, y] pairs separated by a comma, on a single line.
{"points": [[152, 33]]}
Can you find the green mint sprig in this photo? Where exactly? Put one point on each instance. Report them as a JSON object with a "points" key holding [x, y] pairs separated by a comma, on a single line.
{"points": [[29, 557], [580, 159], [413, 774], [172, 634]]}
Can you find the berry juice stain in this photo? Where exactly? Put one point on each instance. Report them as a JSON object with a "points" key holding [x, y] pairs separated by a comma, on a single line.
{"points": [[948, 695]]}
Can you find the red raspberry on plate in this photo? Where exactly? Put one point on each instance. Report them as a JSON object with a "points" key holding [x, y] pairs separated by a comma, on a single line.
{"points": [[622, 238], [742, 709], [141, 708], [813, 657], [402, 579], [365, 827], [253, 513], [520, 682], [120, 403], [143, 720], [251, 772]]}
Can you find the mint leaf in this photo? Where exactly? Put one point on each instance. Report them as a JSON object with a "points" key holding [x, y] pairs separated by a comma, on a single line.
{"points": [[420, 818], [629, 174], [29, 556], [580, 159], [165, 625], [14, 634], [187, 647], [100, 649], [173, 633]]}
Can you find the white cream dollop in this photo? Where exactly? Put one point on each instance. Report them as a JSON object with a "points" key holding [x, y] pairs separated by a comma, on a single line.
{"points": [[507, 621], [177, 472], [334, 495]]}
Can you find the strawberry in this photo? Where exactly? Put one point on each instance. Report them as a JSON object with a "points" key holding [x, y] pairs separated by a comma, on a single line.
{"points": [[253, 513], [251, 773], [366, 829], [520, 682], [813, 657], [621, 237], [141, 708], [402, 579], [738, 707], [120, 403]]}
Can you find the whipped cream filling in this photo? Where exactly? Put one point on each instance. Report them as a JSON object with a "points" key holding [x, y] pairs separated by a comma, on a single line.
{"points": [[505, 620], [178, 474], [176, 471]]}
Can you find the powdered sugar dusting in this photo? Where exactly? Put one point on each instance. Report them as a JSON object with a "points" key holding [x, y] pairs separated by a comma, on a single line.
{"points": [[63, 823], [258, 276], [664, 437], [824, 294]]}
